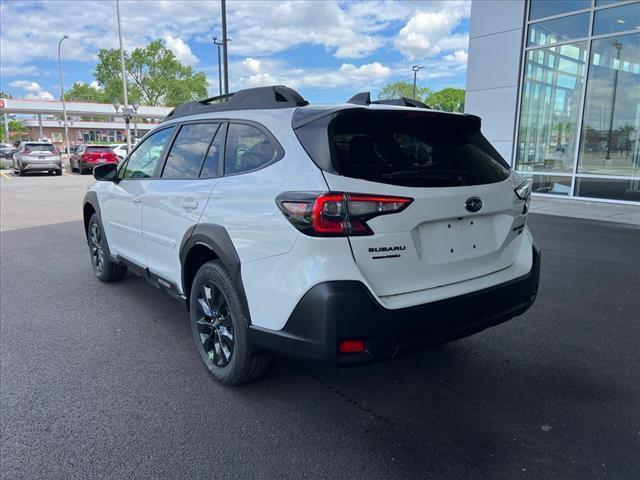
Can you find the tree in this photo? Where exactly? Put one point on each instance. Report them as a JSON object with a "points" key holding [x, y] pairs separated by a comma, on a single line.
{"points": [[157, 77], [404, 89], [81, 92], [448, 99], [14, 127], [5, 95]]}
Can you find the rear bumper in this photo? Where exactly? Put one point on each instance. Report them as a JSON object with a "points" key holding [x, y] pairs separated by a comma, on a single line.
{"points": [[92, 165], [345, 310], [41, 166]]}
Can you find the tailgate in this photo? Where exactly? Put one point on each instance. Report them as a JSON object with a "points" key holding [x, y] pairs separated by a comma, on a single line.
{"points": [[436, 241]]}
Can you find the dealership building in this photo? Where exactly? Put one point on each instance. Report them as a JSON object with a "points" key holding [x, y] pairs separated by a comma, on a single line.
{"points": [[557, 84]]}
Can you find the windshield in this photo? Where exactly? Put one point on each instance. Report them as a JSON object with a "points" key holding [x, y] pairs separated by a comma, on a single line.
{"points": [[407, 148], [39, 147]]}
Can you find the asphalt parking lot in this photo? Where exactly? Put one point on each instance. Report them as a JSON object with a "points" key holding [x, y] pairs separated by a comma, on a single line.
{"points": [[102, 380]]}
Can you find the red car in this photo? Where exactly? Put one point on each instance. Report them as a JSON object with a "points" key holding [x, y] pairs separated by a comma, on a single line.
{"points": [[86, 157]]}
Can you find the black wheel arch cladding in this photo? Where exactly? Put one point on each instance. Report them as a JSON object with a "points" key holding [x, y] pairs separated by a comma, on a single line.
{"points": [[216, 239]]}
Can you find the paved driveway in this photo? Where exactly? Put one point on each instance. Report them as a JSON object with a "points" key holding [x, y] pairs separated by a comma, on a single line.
{"points": [[102, 381]]}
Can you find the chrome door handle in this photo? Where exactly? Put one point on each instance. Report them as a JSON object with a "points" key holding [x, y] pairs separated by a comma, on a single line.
{"points": [[136, 199], [189, 204]]}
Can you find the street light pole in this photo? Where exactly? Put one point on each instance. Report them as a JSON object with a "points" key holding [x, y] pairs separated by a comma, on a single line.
{"points": [[218, 44], [223, 7], [135, 107], [64, 105], [416, 69], [124, 80]]}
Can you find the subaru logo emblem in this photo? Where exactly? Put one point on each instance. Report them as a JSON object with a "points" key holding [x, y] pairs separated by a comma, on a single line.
{"points": [[473, 204]]}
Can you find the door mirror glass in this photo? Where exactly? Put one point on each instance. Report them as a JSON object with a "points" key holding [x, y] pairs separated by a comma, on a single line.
{"points": [[106, 173]]}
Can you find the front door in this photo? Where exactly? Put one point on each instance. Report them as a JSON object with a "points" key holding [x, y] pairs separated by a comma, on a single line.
{"points": [[121, 204]]}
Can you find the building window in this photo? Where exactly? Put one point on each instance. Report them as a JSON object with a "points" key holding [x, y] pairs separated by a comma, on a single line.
{"points": [[579, 122], [550, 111]]}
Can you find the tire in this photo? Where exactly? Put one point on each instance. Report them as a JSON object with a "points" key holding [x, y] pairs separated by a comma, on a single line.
{"points": [[21, 172], [220, 328], [57, 172], [103, 267]]}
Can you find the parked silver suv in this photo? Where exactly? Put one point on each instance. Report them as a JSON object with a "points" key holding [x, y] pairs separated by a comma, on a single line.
{"points": [[37, 157]]}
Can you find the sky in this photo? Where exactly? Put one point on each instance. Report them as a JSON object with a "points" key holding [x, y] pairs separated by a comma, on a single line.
{"points": [[328, 50]]}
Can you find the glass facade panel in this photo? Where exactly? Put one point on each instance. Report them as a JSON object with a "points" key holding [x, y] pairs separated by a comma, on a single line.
{"points": [[617, 19], [611, 126], [551, 184], [550, 111], [548, 8], [558, 30], [579, 122], [616, 189]]}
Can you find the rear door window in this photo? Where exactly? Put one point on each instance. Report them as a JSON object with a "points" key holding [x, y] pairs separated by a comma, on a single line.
{"points": [[39, 147], [247, 148], [188, 151], [212, 163]]}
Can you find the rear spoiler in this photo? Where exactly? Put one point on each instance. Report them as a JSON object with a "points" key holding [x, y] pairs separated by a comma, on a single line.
{"points": [[364, 98]]}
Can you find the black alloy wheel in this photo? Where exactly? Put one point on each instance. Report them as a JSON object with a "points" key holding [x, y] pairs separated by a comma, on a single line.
{"points": [[95, 246], [220, 327], [215, 327]]}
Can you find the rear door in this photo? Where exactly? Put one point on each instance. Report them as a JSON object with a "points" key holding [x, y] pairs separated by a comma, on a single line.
{"points": [[174, 202], [464, 221]]}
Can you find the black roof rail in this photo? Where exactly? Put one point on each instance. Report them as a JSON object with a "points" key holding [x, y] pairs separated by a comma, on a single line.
{"points": [[364, 98], [276, 96]]}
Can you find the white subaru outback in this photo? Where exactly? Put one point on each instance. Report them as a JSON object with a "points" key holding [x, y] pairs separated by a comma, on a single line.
{"points": [[344, 233]]}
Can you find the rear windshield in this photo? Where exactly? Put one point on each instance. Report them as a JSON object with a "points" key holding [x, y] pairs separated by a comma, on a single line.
{"points": [[39, 147], [99, 149], [414, 149]]}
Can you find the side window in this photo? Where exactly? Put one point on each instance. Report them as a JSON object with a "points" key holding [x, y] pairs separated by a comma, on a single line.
{"points": [[188, 150], [247, 149], [142, 162], [211, 167]]}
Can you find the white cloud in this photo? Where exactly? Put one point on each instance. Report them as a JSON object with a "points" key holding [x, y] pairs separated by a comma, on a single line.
{"points": [[26, 85], [428, 33], [252, 64], [95, 84], [459, 56], [181, 50], [269, 72], [40, 96], [266, 27], [10, 70], [33, 89]]}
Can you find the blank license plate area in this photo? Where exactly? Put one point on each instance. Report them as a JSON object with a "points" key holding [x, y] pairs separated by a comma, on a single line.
{"points": [[458, 239]]}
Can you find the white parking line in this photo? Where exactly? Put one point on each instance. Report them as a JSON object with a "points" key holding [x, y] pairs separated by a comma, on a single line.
{"points": [[4, 175]]}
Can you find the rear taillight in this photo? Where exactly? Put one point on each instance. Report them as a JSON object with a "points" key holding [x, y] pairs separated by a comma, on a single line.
{"points": [[337, 214]]}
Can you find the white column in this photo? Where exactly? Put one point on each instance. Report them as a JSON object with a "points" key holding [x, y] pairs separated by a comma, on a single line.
{"points": [[40, 126]]}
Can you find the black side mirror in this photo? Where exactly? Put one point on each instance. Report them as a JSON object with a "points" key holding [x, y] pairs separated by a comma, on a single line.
{"points": [[106, 173]]}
